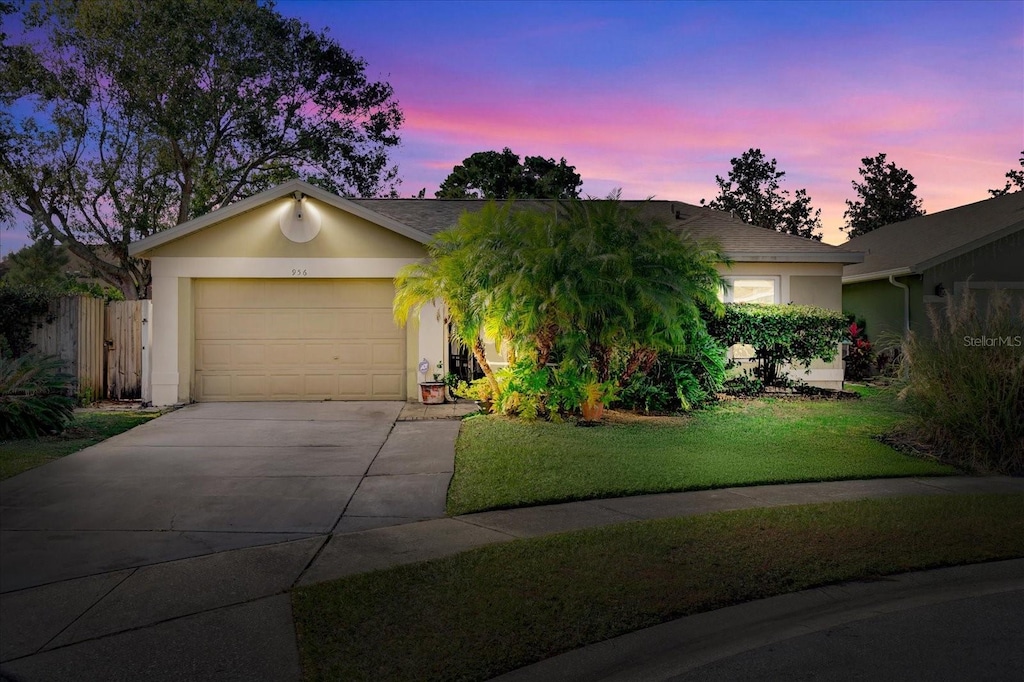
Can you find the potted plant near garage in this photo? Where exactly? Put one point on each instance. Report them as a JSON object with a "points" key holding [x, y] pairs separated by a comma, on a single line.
{"points": [[431, 392]]}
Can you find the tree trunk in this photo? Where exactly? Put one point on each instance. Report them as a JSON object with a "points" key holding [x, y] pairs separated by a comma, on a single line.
{"points": [[545, 340], [640, 359], [601, 361], [481, 359]]}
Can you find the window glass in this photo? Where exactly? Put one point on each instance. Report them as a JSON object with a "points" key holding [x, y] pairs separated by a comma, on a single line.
{"points": [[752, 291], [742, 290]]}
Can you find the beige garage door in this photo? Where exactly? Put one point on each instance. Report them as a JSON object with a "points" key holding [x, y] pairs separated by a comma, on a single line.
{"points": [[272, 339]]}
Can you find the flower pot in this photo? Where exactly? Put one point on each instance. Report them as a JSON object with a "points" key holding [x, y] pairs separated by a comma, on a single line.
{"points": [[592, 412], [432, 392]]}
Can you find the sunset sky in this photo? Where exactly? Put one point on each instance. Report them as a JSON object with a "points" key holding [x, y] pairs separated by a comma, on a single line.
{"points": [[655, 98]]}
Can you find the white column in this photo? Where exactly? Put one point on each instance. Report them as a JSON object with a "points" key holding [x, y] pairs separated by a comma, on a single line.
{"points": [[164, 340], [432, 339]]}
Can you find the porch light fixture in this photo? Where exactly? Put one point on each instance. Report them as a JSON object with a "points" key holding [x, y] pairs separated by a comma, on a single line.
{"points": [[301, 223]]}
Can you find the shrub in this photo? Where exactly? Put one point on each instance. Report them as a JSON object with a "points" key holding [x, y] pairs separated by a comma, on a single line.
{"points": [[860, 355], [780, 334], [679, 382], [34, 397], [20, 307], [964, 383]]}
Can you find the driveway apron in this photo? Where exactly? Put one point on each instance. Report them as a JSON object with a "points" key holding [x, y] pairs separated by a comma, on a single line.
{"points": [[206, 478]]}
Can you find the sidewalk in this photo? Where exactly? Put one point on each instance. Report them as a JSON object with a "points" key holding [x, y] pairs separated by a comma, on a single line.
{"points": [[227, 615]]}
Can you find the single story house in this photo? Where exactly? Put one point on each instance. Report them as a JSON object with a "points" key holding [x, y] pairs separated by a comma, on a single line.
{"points": [[287, 295], [918, 262]]}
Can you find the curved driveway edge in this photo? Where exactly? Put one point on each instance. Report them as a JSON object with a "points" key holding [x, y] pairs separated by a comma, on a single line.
{"points": [[962, 622]]}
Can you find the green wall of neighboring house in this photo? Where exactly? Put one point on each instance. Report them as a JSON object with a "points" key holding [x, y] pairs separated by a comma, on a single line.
{"points": [[881, 305]]}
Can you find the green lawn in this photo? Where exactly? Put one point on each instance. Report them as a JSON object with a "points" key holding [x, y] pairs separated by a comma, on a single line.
{"points": [[505, 463], [493, 609], [87, 429]]}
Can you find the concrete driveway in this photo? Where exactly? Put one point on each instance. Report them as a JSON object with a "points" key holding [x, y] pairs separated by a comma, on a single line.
{"points": [[215, 477]]}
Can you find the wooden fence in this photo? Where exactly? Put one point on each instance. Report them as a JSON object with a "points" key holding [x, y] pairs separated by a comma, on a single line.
{"points": [[100, 343]]}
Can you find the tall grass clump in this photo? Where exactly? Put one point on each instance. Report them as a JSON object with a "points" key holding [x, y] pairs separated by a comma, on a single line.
{"points": [[964, 384]]}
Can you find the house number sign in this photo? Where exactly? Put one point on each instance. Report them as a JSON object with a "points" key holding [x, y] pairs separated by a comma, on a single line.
{"points": [[299, 272]]}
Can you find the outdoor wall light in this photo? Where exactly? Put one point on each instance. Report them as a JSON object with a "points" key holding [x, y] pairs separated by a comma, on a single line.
{"points": [[302, 223]]}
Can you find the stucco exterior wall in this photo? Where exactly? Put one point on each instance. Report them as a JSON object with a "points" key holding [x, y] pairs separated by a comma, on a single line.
{"points": [[881, 305], [257, 234]]}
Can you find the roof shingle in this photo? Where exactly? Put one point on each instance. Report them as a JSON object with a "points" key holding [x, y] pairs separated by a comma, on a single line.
{"points": [[919, 243]]}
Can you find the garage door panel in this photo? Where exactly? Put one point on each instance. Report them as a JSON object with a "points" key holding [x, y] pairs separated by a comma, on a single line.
{"points": [[212, 324], [249, 386], [286, 386], [388, 386], [354, 324], [278, 354], [320, 324], [213, 355], [283, 324], [297, 340], [387, 353], [352, 385], [215, 387], [354, 355], [320, 386], [320, 354]]}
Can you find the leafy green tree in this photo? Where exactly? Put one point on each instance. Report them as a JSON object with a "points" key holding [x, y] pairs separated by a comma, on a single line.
{"points": [[599, 276], [148, 114], [42, 263], [1014, 180], [753, 194], [460, 271], [500, 175], [886, 196]]}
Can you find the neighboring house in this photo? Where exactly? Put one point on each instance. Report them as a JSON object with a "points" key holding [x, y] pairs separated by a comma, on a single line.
{"points": [[915, 263], [287, 295]]}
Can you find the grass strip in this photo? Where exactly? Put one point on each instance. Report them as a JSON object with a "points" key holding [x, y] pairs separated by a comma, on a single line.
{"points": [[502, 463], [87, 429], [490, 610]]}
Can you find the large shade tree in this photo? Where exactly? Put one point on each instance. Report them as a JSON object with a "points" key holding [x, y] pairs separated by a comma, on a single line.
{"points": [[131, 117], [500, 175], [885, 195], [753, 193]]}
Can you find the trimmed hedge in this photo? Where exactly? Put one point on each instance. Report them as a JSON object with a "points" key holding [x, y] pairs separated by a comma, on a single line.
{"points": [[781, 334]]}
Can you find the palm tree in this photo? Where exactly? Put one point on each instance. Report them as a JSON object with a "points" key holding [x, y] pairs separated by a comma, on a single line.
{"points": [[460, 269]]}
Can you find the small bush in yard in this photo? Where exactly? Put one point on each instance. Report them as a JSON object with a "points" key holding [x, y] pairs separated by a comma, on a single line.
{"points": [[780, 334], [682, 382], [34, 397], [965, 382], [860, 356]]}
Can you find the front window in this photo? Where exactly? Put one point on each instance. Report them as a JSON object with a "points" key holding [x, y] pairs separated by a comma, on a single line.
{"points": [[749, 290]]}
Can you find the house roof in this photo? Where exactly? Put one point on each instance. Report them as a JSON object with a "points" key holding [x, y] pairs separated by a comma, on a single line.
{"points": [[420, 219], [739, 241], [914, 245]]}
